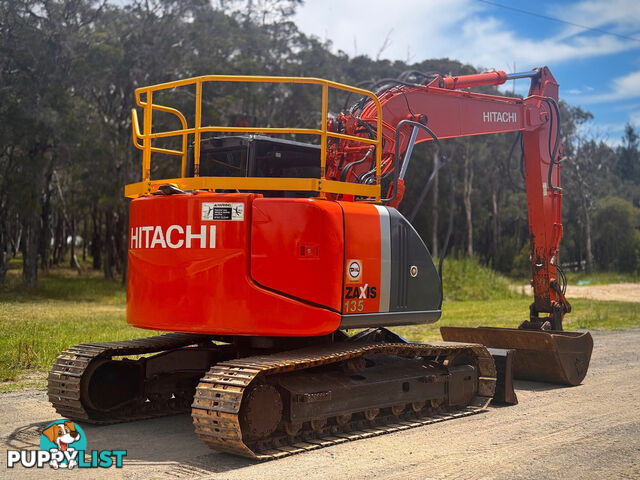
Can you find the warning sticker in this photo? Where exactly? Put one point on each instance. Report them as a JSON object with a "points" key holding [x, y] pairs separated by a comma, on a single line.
{"points": [[222, 211], [354, 270]]}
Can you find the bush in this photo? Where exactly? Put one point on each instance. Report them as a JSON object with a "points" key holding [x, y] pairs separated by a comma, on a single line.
{"points": [[616, 237], [465, 279]]}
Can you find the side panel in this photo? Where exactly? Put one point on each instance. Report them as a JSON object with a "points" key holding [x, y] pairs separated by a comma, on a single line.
{"points": [[297, 248], [203, 285], [415, 283], [361, 292], [398, 283]]}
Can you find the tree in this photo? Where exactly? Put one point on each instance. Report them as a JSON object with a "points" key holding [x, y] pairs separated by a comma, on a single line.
{"points": [[628, 164], [617, 234], [467, 187]]}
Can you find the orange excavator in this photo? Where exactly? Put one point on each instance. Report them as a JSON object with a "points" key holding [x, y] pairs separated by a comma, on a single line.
{"points": [[265, 252]]}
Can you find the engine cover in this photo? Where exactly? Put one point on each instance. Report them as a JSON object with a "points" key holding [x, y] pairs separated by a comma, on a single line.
{"points": [[241, 264]]}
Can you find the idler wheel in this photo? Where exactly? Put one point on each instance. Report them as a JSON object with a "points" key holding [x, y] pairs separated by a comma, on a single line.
{"points": [[261, 412], [342, 420], [318, 425], [371, 413], [292, 429], [397, 409]]}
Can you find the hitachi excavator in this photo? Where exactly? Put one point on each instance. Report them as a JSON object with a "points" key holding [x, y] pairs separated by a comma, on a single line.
{"points": [[278, 265]]}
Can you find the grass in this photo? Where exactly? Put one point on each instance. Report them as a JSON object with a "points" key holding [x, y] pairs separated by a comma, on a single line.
{"points": [[66, 309], [586, 314], [465, 279]]}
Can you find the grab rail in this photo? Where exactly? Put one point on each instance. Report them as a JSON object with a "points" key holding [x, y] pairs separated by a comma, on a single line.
{"points": [[321, 184]]}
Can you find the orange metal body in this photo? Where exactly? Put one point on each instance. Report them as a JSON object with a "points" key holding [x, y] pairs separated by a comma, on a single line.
{"points": [[362, 242], [278, 271], [296, 247], [287, 267]]}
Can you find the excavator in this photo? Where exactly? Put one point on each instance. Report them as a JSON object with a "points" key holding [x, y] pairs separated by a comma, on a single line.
{"points": [[278, 265]]}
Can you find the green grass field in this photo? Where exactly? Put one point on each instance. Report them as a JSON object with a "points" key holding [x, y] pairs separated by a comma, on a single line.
{"points": [[66, 309]]}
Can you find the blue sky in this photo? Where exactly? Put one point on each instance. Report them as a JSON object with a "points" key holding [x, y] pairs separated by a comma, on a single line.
{"points": [[598, 71]]}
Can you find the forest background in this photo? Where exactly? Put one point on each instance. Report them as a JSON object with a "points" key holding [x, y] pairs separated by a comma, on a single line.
{"points": [[68, 72]]}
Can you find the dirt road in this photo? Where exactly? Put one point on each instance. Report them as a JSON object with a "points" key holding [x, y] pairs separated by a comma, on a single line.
{"points": [[590, 431]]}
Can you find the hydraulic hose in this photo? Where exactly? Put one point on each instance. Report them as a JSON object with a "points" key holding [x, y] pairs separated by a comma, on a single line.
{"points": [[553, 105], [444, 160]]}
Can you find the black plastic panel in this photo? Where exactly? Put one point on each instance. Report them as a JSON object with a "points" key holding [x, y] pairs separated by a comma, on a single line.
{"points": [[415, 283]]}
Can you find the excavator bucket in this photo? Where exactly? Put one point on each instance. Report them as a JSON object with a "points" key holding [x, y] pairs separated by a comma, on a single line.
{"points": [[543, 356]]}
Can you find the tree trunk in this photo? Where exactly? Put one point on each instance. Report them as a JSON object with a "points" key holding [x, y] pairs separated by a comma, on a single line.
{"points": [[30, 249], [85, 238], [466, 197], [96, 242], [4, 265], [587, 224], [119, 241], [494, 223], [108, 257], [124, 238], [5, 249], [434, 207], [59, 241], [45, 235], [45, 243], [16, 240], [73, 261]]}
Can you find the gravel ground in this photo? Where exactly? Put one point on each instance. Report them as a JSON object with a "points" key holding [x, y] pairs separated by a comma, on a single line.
{"points": [[589, 431]]}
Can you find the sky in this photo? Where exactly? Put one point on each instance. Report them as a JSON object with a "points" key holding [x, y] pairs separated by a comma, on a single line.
{"points": [[598, 68]]}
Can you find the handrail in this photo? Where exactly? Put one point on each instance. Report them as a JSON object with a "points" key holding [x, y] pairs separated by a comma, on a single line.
{"points": [[322, 185]]}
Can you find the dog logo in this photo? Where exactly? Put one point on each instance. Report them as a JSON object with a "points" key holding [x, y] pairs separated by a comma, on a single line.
{"points": [[65, 440], [63, 444]]}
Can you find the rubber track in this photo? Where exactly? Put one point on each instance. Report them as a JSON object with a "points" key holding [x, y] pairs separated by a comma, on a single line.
{"points": [[65, 377], [218, 399]]}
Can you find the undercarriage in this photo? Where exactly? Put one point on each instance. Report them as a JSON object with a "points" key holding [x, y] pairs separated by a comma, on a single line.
{"points": [[268, 402]]}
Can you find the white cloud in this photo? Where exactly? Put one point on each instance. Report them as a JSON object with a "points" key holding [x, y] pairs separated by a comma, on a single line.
{"points": [[617, 16], [463, 30], [623, 88]]}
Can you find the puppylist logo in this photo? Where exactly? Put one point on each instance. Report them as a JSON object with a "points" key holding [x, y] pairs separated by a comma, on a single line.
{"points": [[63, 444]]}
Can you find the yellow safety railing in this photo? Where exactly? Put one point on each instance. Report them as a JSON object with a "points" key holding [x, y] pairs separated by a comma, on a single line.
{"points": [[143, 141]]}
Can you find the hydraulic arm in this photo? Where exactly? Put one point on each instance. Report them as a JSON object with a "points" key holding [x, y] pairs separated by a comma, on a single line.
{"points": [[439, 109]]}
